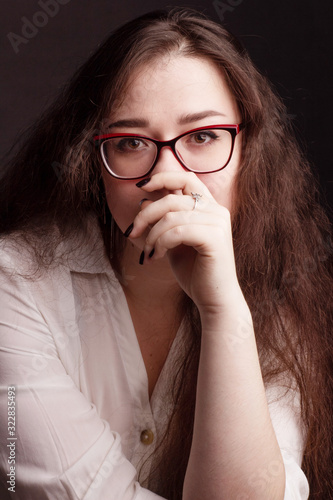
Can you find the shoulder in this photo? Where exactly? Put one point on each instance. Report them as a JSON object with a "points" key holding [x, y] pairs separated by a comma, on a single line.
{"points": [[33, 257], [16, 256]]}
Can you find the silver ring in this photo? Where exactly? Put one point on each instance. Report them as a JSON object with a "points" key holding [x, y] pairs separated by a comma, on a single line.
{"points": [[196, 197]]}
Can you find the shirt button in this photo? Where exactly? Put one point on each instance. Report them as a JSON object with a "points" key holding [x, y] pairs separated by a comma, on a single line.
{"points": [[147, 436]]}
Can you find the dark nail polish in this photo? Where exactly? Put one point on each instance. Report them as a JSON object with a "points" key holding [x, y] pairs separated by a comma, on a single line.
{"points": [[143, 182], [128, 230], [142, 258], [152, 253], [143, 199]]}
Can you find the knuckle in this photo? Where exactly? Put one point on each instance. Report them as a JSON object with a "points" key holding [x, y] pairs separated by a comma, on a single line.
{"points": [[177, 231], [169, 217], [170, 198], [148, 242]]}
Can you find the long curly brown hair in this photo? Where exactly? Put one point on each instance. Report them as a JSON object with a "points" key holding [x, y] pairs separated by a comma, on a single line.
{"points": [[282, 241]]}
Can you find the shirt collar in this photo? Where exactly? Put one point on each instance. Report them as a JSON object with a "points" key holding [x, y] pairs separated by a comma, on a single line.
{"points": [[85, 252]]}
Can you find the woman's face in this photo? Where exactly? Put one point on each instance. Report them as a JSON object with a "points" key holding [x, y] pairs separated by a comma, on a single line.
{"points": [[166, 99]]}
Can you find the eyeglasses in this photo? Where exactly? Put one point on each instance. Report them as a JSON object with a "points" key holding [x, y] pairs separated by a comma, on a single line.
{"points": [[201, 150]]}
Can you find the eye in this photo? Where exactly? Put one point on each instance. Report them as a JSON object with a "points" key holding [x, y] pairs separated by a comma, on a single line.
{"points": [[203, 137], [130, 144]]}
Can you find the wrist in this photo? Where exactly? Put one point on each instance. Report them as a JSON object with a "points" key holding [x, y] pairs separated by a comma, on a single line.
{"points": [[230, 318], [229, 304]]}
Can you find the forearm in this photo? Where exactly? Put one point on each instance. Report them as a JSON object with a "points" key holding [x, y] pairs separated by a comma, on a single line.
{"points": [[233, 442]]}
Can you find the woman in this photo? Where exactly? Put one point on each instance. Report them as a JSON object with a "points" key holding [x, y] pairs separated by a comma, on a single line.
{"points": [[164, 309]]}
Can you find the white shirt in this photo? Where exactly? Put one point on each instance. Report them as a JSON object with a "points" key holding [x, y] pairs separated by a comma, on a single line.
{"points": [[68, 345]]}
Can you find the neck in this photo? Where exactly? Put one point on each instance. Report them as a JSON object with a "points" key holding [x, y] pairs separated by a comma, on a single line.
{"points": [[148, 286]]}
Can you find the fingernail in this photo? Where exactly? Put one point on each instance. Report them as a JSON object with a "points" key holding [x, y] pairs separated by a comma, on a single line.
{"points": [[151, 253], [143, 182], [128, 230], [142, 258], [143, 199]]}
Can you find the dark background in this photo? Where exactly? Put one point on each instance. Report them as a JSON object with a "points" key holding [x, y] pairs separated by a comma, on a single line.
{"points": [[289, 40]]}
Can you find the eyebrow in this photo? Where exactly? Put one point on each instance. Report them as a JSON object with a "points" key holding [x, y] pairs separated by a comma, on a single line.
{"points": [[130, 123], [183, 119], [194, 117]]}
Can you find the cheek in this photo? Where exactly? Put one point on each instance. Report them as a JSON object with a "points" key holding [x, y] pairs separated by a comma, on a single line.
{"points": [[221, 185]]}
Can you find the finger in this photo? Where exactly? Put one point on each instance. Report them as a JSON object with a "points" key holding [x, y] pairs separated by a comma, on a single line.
{"points": [[152, 212], [199, 237], [186, 182], [177, 221]]}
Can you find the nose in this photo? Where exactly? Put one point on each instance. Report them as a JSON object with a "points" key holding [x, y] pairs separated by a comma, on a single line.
{"points": [[167, 161]]}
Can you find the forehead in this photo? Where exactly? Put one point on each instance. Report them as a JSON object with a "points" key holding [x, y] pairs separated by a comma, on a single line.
{"points": [[176, 85]]}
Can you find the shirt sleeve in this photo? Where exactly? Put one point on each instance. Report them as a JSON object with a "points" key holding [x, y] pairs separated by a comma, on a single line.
{"points": [[61, 448], [285, 415]]}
